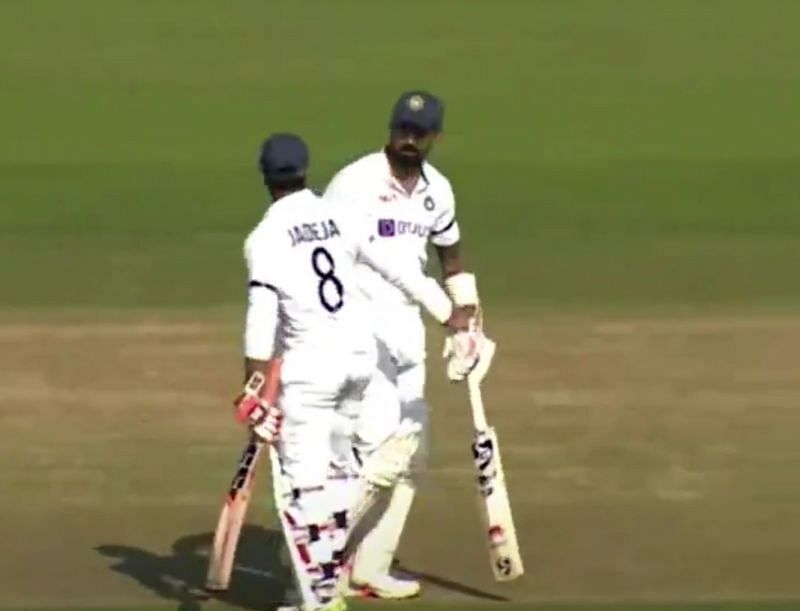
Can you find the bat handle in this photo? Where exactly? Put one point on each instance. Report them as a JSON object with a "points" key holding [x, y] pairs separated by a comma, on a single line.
{"points": [[476, 403]]}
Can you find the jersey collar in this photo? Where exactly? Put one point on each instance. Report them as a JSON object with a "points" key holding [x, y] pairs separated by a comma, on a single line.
{"points": [[422, 184], [288, 199]]}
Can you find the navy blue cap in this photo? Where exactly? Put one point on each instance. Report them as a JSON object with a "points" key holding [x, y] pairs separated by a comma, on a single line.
{"points": [[283, 157], [418, 109]]}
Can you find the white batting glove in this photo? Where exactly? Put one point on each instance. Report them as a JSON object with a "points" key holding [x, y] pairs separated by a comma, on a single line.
{"points": [[461, 350], [468, 354], [481, 367]]}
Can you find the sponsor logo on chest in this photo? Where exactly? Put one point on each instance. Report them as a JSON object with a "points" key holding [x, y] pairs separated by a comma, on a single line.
{"points": [[389, 228], [415, 210]]}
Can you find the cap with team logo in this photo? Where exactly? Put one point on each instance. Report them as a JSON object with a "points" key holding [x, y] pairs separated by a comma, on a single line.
{"points": [[418, 109], [283, 157]]}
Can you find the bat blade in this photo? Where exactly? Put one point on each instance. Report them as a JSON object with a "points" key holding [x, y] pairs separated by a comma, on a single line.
{"points": [[234, 509], [498, 520], [231, 520]]}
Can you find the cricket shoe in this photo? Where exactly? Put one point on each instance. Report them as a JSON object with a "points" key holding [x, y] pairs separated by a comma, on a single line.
{"points": [[387, 587]]}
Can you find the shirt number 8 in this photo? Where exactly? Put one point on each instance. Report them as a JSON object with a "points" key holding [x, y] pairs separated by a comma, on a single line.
{"points": [[324, 267]]}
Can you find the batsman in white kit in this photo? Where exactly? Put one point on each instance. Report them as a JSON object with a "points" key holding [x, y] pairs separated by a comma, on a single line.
{"points": [[303, 308], [408, 204]]}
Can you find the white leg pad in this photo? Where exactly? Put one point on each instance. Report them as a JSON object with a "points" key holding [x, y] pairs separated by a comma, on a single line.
{"points": [[307, 523], [392, 460], [376, 552], [342, 490]]}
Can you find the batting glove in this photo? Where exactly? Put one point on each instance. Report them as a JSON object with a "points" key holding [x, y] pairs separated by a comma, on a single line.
{"points": [[462, 351], [263, 419]]}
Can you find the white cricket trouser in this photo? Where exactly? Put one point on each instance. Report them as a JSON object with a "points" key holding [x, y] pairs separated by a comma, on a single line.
{"points": [[313, 514], [395, 393], [397, 389], [312, 395]]}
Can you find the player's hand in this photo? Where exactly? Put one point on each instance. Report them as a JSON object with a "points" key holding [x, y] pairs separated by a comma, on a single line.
{"points": [[268, 426], [462, 351], [461, 319], [257, 411], [262, 418], [469, 354], [481, 366]]}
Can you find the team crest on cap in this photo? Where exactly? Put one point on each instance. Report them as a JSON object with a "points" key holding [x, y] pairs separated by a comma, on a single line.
{"points": [[415, 103]]}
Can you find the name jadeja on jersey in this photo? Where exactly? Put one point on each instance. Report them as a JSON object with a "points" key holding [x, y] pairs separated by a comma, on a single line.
{"points": [[318, 231]]}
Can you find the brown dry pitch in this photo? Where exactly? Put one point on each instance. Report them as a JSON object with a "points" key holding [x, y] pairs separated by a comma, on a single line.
{"points": [[648, 459]]}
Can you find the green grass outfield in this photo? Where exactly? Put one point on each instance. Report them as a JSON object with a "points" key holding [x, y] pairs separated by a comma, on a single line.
{"points": [[627, 175], [604, 154]]}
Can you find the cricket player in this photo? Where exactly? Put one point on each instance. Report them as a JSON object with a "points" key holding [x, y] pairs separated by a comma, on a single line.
{"points": [[304, 308], [408, 203]]}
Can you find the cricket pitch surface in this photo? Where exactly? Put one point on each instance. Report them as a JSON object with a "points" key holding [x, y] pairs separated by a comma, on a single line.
{"points": [[652, 462]]}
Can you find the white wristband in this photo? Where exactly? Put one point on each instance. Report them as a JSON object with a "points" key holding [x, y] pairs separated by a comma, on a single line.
{"points": [[463, 288]]}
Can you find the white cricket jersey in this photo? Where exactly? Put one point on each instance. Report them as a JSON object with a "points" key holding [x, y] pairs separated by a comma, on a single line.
{"points": [[306, 250], [401, 223]]}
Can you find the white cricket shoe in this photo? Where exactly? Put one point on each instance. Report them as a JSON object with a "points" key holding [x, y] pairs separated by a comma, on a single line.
{"points": [[386, 586]]}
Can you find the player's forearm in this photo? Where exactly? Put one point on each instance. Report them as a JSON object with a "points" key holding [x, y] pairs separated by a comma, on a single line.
{"points": [[416, 285], [427, 292], [252, 366], [450, 259]]}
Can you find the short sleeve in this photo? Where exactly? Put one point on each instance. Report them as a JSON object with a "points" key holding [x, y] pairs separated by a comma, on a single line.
{"points": [[340, 188], [445, 231]]}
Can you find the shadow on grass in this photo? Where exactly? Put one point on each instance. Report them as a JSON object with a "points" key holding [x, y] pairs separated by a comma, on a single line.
{"points": [[450, 585], [260, 580]]}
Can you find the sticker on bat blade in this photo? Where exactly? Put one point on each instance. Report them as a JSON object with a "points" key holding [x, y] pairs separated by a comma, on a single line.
{"points": [[483, 455], [254, 384], [504, 566], [245, 466], [497, 536]]}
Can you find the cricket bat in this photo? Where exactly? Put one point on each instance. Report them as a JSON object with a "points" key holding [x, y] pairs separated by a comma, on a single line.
{"points": [[231, 519], [498, 521], [234, 508]]}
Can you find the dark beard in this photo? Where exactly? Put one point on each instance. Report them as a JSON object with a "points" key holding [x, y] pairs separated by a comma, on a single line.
{"points": [[404, 162]]}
